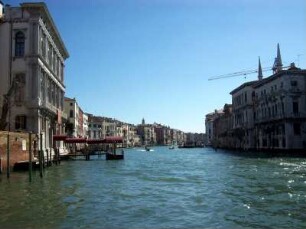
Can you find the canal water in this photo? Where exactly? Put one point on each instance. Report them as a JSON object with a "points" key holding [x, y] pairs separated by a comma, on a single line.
{"points": [[181, 188]]}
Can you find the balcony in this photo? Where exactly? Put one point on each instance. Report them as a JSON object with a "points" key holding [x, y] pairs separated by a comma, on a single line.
{"points": [[270, 119], [295, 91], [49, 107], [280, 116]]}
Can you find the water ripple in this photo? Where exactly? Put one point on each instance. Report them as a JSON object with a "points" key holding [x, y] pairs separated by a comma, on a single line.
{"points": [[188, 188]]}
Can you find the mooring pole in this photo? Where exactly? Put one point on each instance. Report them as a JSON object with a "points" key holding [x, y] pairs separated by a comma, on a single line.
{"points": [[41, 157], [8, 155], [58, 157], [47, 157], [30, 157]]}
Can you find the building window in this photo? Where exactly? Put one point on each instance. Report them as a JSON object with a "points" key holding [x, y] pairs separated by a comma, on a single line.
{"points": [[48, 57], [297, 128], [293, 83], [53, 93], [71, 113], [295, 107], [49, 90], [43, 85], [19, 87], [20, 122], [43, 45], [19, 44]]}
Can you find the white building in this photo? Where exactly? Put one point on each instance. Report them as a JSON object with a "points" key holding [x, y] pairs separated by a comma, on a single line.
{"points": [[209, 126], [280, 110], [243, 120], [77, 123], [32, 56], [94, 127], [270, 113], [85, 125]]}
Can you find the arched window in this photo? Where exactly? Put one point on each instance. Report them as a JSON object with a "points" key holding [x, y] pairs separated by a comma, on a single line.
{"points": [[19, 44]]}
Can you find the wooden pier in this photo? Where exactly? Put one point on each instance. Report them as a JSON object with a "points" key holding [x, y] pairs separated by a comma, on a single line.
{"points": [[107, 146]]}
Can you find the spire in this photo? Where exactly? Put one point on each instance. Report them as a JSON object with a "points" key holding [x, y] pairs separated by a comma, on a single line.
{"points": [[278, 61], [279, 55], [259, 70]]}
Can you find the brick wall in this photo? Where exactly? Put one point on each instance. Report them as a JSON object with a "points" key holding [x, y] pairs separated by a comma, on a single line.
{"points": [[19, 148]]}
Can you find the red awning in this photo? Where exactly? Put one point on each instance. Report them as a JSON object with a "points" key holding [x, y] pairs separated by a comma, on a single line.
{"points": [[113, 140], [59, 137], [75, 140], [95, 141]]}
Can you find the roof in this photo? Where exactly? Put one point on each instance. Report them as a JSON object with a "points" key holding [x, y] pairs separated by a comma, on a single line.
{"points": [[278, 74], [113, 140], [59, 137], [75, 140], [247, 84], [88, 141]]}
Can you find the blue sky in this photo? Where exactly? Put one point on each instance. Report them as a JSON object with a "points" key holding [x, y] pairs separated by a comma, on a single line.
{"points": [[151, 59]]}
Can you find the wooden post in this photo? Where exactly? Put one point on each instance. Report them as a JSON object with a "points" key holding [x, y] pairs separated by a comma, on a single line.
{"points": [[30, 157], [41, 157], [8, 155], [58, 157], [47, 157], [50, 156], [55, 152]]}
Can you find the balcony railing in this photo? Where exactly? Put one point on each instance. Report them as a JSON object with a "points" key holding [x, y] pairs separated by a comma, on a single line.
{"points": [[280, 116], [49, 107]]}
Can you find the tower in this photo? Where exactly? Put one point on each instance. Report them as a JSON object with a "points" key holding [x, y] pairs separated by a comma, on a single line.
{"points": [[259, 70], [277, 66]]}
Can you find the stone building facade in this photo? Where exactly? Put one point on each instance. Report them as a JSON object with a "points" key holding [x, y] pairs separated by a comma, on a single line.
{"points": [[280, 110], [32, 62], [268, 113]]}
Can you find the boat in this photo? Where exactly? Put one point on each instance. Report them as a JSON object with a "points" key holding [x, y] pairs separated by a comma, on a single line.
{"points": [[114, 156], [147, 148], [24, 165], [173, 145], [110, 156]]}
